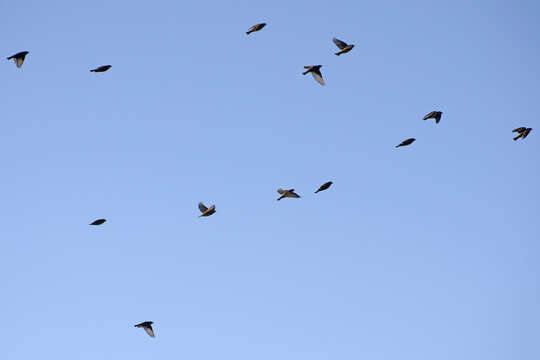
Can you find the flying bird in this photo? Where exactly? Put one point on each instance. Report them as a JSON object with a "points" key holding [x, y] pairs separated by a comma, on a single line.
{"points": [[18, 58], [406, 142], [98, 222], [324, 186], [147, 326], [102, 68], [256, 27], [522, 132], [287, 194], [206, 211], [434, 115], [343, 46], [315, 70]]}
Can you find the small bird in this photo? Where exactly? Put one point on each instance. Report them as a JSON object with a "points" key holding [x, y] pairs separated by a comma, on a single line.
{"points": [[147, 326], [18, 58], [324, 186], [434, 115], [287, 194], [206, 211], [343, 46], [406, 142], [256, 27], [98, 222], [315, 70], [102, 68], [522, 132]]}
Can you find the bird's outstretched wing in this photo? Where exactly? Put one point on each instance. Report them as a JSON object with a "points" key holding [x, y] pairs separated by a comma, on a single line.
{"points": [[430, 115], [340, 44], [318, 76], [149, 330], [202, 207], [281, 191], [519, 129]]}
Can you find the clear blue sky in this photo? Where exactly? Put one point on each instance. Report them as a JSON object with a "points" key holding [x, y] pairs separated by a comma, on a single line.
{"points": [[423, 252]]}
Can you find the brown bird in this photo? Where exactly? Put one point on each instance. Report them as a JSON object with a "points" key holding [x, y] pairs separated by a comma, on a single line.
{"points": [[18, 58], [434, 115], [315, 70], [206, 211], [287, 194], [256, 27], [98, 222], [324, 186], [406, 142], [102, 68], [343, 46], [522, 132], [147, 326]]}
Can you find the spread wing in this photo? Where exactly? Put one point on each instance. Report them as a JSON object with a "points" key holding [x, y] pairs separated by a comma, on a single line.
{"points": [[202, 207], [292, 194], [519, 130], [149, 330], [281, 191], [18, 61], [340, 44], [430, 115], [318, 76], [212, 208]]}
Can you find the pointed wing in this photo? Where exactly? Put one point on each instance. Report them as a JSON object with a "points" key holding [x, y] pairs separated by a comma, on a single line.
{"points": [[340, 44], [525, 133], [292, 194], [318, 76], [308, 67], [202, 207], [281, 191], [18, 61], [212, 208], [430, 115], [519, 130], [149, 330]]}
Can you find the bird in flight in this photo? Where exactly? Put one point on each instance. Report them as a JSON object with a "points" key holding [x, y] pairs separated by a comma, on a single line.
{"points": [[324, 186], [18, 58], [98, 222], [406, 142], [287, 194], [343, 46], [206, 211], [147, 326], [434, 115], [315, 70], [102, 68], [256, 27], [522, 132]]}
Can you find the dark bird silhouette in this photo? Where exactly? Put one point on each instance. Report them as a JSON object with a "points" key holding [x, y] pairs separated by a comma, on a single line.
{"points": [[324, 186], [287, 194], [102, 68], [434, 115], [315, 70], [343, 46], [98, 222], [406, 142], [256, 27], [147, 326], [18, 58], [522, 132], [206, 211]]}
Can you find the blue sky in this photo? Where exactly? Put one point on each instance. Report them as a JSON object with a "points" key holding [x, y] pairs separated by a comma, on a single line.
{"points": [[422, 252]]}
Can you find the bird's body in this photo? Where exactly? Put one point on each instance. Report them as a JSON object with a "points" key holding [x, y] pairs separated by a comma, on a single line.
{"points": [[343, 46], [324, 186], [18, 58], [256, 27], [102, 68], [206, 211], [522, 132], [287, 194], [434, 115], [315, 70], [98, 222], [406, 142], [147, 326]]}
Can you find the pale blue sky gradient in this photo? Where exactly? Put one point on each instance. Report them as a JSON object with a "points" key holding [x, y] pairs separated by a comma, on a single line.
{"points": [[423, 252]]}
